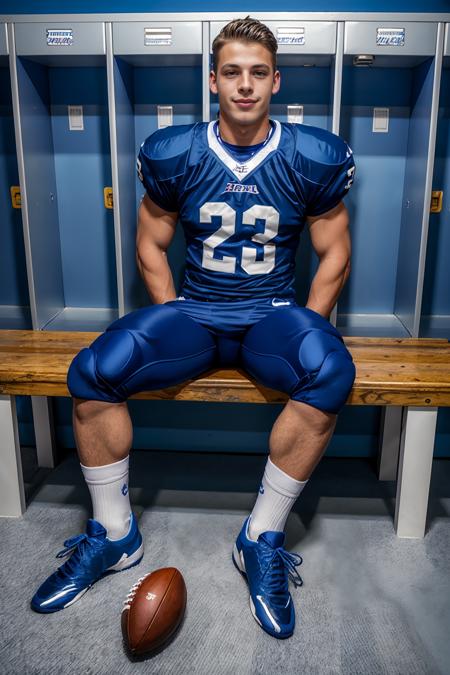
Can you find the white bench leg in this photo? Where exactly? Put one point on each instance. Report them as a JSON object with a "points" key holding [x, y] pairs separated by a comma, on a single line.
{"points": [[389, 449], [44, 431], [414, 471], [12, 493]]}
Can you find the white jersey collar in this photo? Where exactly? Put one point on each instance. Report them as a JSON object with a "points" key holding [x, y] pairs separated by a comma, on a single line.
{"points": [[241, 170]]}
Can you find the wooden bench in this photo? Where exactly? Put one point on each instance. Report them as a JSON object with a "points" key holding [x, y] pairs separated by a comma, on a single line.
{"points": [[409, 377]]}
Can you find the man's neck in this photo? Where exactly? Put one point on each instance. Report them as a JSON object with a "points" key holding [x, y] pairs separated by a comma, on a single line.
{"points": [[244, 134]]}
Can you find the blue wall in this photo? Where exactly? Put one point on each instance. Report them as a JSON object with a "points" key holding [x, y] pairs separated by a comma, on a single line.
{"points": [[110, 6]]}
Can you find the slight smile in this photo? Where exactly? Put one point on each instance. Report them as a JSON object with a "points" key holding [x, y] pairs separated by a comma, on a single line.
{"points": [[245, 103]]}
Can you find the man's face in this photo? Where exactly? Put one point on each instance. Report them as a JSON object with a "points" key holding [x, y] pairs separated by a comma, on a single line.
{"points": [[244, 81]]}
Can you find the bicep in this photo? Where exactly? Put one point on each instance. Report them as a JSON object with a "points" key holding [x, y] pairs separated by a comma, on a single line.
{"points": [[329, 232], [155, 226]]}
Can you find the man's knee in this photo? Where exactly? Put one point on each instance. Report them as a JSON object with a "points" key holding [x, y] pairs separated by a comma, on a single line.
{"points": [[151, 348], [96, 371], [330, 372], [86, 410]]}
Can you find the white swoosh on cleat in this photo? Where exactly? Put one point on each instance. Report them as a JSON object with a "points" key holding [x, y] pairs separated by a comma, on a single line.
{"points": [[59, 595], [116, 565], [266, 609]]}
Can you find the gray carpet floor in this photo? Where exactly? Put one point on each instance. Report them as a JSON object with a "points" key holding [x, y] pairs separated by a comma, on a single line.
{"points": [[371, 603]]}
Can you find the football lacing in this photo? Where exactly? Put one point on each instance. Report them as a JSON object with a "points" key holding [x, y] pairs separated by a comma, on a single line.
{"points": [[132, 592]]}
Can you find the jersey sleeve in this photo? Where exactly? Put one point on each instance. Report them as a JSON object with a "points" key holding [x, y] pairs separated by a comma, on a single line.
{"points": [[161, 164], [335, 182]]}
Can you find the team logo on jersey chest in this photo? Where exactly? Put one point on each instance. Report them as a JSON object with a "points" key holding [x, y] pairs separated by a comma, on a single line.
{"points": [[241, 168], [238, 187]]}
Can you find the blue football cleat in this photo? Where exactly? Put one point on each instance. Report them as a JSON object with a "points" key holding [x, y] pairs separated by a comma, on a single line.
{"points": [[267, 567], [92, 556]]}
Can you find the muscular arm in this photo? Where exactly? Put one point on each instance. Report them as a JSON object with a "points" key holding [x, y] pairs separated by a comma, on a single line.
{"points": [[330, 238], [155, 231]]}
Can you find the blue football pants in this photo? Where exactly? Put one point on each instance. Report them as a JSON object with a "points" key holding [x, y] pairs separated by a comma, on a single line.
{"points": [[283, 346]]}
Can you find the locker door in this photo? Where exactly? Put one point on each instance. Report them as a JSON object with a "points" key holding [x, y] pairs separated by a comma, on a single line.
{"points": [[14, 296], [63, 109], [388, 102], [435, 321], [157, 75]]}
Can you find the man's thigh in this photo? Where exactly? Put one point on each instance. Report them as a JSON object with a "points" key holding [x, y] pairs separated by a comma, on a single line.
{"points": [[151, 348], [297, 351]]}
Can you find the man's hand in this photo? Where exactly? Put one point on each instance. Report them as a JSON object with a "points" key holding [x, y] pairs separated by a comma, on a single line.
{"points": [[155, 231], [330, 238]]}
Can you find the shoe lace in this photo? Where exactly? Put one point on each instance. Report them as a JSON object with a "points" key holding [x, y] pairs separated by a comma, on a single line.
{"points": [[75, 547], [282, 567]]}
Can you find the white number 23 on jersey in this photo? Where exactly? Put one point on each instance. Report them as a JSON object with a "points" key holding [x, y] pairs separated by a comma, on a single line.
{"points": [[227, 263]]}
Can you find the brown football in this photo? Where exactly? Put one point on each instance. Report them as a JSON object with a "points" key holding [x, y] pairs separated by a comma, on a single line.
{"points": [[153, 610]]}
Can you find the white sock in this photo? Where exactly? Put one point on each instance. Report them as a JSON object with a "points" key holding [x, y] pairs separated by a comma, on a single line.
{"points": [[108, 486], [277, 495]]}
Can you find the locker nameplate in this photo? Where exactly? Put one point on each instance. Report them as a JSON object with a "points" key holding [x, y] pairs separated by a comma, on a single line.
{"points": [[16, 198], [157, 36], [391, 37], [295, 114], [76, 118], [165, 116], [291, 35], [61, 37], [380, 123]]}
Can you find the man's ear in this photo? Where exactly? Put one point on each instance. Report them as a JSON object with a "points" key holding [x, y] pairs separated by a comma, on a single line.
{"points": [[213, 82], [276, 82]]}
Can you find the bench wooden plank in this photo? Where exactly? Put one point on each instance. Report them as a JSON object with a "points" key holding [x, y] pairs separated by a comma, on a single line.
{"points": [[409, 372], [389, 371]]}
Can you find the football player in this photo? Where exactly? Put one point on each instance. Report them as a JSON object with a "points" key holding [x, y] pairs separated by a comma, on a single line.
{"points": [[242, 187]]}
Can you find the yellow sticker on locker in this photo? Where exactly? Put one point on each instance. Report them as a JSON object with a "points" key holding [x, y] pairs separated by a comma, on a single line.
{"points": [[16, 198], [436, 201], [108, 198]]}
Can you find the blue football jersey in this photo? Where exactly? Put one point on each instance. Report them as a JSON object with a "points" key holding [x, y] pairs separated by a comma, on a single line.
{"points": [[242, 220]]}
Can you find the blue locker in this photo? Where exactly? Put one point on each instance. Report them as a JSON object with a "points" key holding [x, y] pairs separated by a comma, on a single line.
{"points": [[435, 320], [389, 72], [14, 297], [155, 64], [65, 171], [309, 59]]}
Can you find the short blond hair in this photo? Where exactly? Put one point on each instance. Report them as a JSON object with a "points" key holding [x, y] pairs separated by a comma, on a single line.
{"points": [[245, 30]]}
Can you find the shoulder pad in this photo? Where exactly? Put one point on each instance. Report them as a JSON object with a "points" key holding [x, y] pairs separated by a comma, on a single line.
{"points": [[317, 151], [167, 150]]}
